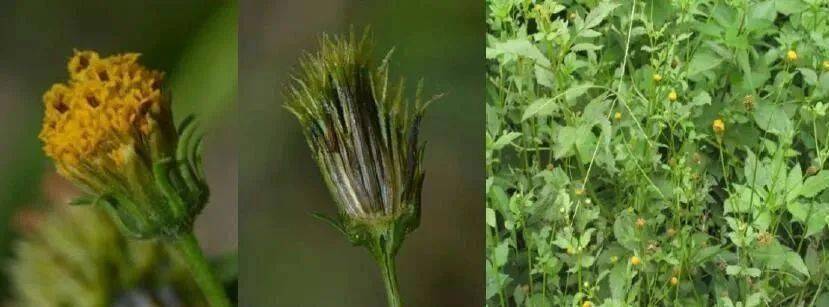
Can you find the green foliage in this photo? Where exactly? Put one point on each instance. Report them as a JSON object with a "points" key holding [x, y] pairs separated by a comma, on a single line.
{"points": [[657, 153]]}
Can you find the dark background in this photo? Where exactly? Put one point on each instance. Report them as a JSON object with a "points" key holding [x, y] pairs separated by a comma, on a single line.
{"points": [[193, 41], [288, 258]]}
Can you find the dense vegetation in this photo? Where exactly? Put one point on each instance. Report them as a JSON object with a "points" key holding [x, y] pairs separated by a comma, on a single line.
{"points": [[657, 153]]}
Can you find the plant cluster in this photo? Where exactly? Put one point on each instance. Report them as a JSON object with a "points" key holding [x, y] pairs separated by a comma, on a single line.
{"points": [[657, 153]]}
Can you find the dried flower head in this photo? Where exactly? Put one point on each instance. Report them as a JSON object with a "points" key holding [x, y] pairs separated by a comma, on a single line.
{"points": [[748, 102], [364, 136], [110, 131]]}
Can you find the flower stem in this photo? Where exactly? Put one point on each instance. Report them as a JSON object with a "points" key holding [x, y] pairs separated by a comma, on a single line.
{"points": [[387, 268], [188, 247]]}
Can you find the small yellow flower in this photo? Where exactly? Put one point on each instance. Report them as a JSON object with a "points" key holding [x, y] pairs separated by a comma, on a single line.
{"points": [[791, 55], [718, 126], [672, 95], [657, 77], [617, 116], [635, 260], [108, 104], [587, 304], [572, 16], [826, 65], [674, 281], [579, 191]]}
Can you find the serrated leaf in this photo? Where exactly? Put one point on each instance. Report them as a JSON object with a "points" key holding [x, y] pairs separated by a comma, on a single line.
{"points": [[586, 47], [794, 261], [598, 14], [814, 185], [772, 119], [703, 61], [524, 48], [505, 140], [577, 91], [540, 107]]}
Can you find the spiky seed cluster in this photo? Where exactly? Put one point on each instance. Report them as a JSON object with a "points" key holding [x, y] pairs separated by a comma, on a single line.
{"points": [[110, 131], [77, 257], [364, 137], [363, 134]]}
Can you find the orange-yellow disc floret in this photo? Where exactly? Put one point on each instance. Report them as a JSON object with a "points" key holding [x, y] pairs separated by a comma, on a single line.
{"points": [[104, 106]]}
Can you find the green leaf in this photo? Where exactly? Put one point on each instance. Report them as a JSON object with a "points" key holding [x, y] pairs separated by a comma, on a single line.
{"points": [[586, 47], [540, 107], [577, 91], [814, 185], [772, 119], [595, 17], [703, 61], [810, 76], [787, 7], [524, 48], [624, 231], [794, 261], [544, 76], [505, 140], [618, 280], [501, 254], [490, 218]]}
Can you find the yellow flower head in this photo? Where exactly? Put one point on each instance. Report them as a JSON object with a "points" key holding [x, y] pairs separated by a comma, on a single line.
{"points": [[791, 55], [110, 131], [617, 116], [657, 77], [108, 104], [674, 281], [826, 65], [718, 126], [587, 304], [672, 95], [635, 260]]}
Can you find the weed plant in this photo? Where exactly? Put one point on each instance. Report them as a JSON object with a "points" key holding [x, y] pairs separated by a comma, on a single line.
{"points": [[657, 153]]}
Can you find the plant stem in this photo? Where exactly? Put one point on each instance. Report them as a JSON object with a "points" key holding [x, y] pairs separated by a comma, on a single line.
{"points": [[387, 269], [188, 247]]}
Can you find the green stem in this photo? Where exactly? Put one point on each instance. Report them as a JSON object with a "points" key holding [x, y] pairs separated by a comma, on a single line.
{"points": [[188, 247], [387, 268]]}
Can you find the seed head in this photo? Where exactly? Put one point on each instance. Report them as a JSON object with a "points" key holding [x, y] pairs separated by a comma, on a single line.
{"points": [[364, 136], [748, 102], [640, 222], [110, 131]]}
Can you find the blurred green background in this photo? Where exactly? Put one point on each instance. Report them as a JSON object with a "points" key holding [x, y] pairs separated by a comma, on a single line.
{"points": [[194, 41], [291, 259]]}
